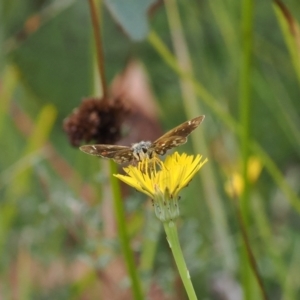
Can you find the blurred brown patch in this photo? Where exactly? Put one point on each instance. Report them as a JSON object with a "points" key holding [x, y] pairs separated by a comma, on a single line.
{"points": [[59, 273], [142, 123]]}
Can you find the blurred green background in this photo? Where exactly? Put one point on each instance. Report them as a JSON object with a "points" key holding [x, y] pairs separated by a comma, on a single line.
{"points": [[236, 62]]}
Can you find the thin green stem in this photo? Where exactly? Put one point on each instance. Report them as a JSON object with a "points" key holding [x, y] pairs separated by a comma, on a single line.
{"points": [[8, 84], [245, 97], [250, 256], [172, 237], [98, 44], [248, 261], [123, 235], [264, 230]]}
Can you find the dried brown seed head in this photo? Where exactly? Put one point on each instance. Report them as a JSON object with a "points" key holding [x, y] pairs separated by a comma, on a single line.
{"points": [[96, 120]]}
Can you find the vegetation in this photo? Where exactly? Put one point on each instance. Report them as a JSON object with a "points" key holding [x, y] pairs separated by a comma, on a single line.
{"points": [[71, 230]]}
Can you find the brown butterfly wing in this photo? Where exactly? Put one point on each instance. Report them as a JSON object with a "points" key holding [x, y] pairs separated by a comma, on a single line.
{"points": [[183, 129], [176, 136], [119, 154], [123, 156], [106, 151], [162, 146]]}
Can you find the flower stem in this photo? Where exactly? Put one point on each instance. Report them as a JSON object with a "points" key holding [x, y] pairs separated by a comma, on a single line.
{"points": [[98, 44], [172, 237]]}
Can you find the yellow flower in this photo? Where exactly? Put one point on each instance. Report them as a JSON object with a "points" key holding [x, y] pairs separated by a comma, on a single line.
{"points": [[235, 185], [163, 181]]}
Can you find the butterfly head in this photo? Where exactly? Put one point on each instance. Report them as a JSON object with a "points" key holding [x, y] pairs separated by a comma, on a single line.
{"points": [[142, 150]]}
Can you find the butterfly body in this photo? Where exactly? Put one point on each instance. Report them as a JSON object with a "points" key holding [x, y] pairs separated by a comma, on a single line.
{"points": [[145, 149], [142, 150]]}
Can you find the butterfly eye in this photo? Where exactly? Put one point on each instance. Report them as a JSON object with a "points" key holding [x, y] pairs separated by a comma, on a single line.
{"points": [[145, 150]]}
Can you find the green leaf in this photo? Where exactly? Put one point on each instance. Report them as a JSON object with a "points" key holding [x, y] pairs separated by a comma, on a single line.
{"points": [[54, 62], [131, 15]]}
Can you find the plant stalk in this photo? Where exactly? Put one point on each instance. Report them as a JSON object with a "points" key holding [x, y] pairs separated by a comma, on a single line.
{"points": [[172, 237]]}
